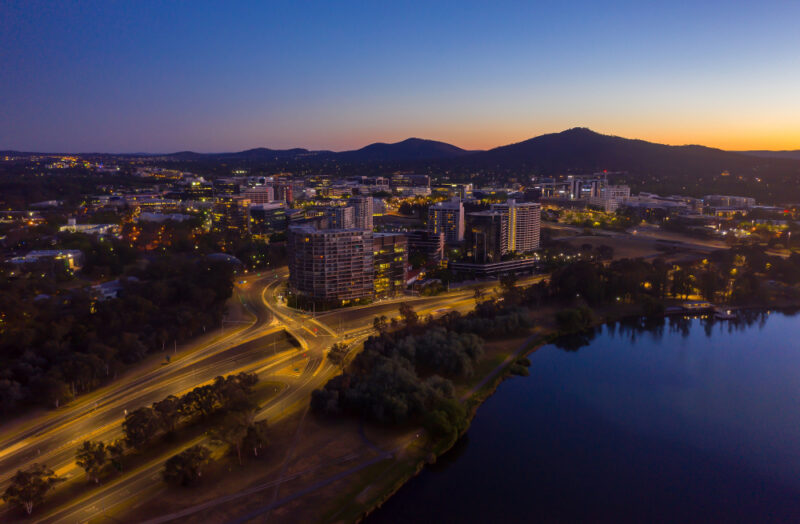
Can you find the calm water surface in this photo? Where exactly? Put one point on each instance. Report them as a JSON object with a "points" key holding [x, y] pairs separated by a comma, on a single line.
{"points": [[688, 420]]}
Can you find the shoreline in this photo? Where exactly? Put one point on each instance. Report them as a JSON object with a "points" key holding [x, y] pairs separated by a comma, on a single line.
{"points": [[488, 385]]}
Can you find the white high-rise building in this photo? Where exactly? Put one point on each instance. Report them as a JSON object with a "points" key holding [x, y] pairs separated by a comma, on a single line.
{"points": [[524, 224], [447, 218]]}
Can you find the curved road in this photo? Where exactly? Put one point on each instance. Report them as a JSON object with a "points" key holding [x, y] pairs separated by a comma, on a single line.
{"points": [[262, 347]]}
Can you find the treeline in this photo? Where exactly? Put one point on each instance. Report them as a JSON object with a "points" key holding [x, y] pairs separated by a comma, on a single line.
{"points": [[744, 275], [61, 345], [21, 184]]}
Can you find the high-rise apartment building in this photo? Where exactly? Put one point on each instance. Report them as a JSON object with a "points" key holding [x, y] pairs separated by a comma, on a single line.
{"points": [[362, 211], [342, 218], [447, 218], [331, 266], [524, 222]]}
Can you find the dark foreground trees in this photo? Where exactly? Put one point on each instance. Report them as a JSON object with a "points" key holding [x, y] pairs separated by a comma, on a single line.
{"points": [[28, 487], [92, 457], [186, 467], [140, 426], [242, 432], [67, 343], [404, 377]]}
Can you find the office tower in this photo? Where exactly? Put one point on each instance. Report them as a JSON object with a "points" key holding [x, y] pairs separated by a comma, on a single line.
{"points": [[226, 186], [611, 197], [231, 213], [268, 218], [283, 192], [429, 245], [259, 194], [390, 252], [487, 236]]}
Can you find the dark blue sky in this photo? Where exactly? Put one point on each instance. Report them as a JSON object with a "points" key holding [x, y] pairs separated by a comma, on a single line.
{"points": [[214, 76]]}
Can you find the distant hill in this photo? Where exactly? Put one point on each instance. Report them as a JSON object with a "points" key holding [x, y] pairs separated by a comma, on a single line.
{"points": [[411, 149], [690, 169], [582, 150], [259, 154], [793, 155]]}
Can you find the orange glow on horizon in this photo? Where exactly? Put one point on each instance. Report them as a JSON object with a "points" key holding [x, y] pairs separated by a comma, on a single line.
{"points": [[488, 138]]}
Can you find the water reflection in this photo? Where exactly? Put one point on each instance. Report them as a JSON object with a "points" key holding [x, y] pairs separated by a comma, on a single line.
{"points": [[575, 341]]}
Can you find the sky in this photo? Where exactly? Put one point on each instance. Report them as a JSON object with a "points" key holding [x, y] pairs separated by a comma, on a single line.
{"points": [[140, 76]]}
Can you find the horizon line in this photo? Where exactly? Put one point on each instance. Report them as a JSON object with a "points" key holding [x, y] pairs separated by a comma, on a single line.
{"points": [[323, 150]]}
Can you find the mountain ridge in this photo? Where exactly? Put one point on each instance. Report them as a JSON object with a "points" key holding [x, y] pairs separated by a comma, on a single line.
{"points": [[577, 139]]}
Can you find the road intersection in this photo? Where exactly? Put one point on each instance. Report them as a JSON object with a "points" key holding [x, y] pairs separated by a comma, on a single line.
{"points": [[276, 337]]}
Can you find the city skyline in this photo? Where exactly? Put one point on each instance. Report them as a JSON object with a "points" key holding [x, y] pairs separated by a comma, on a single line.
{"points": [[153, 78], [272, 260]]}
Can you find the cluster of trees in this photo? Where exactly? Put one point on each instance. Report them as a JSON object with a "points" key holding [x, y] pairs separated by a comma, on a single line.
{"points": [[186, 467], [28, 487], [405, 374], [229, 394], [490, 319], [588, 218], [103, 257], [338, 352], [188, 236], [66, 343], [400, 378], [239, 429]]}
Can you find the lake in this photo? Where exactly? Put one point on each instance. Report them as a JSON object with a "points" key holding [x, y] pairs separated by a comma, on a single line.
{"points": [[682, 420]]}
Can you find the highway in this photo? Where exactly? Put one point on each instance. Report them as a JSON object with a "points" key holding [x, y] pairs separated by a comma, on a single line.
{"points": [[275, 338], [52, 437], [262, 346]]}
